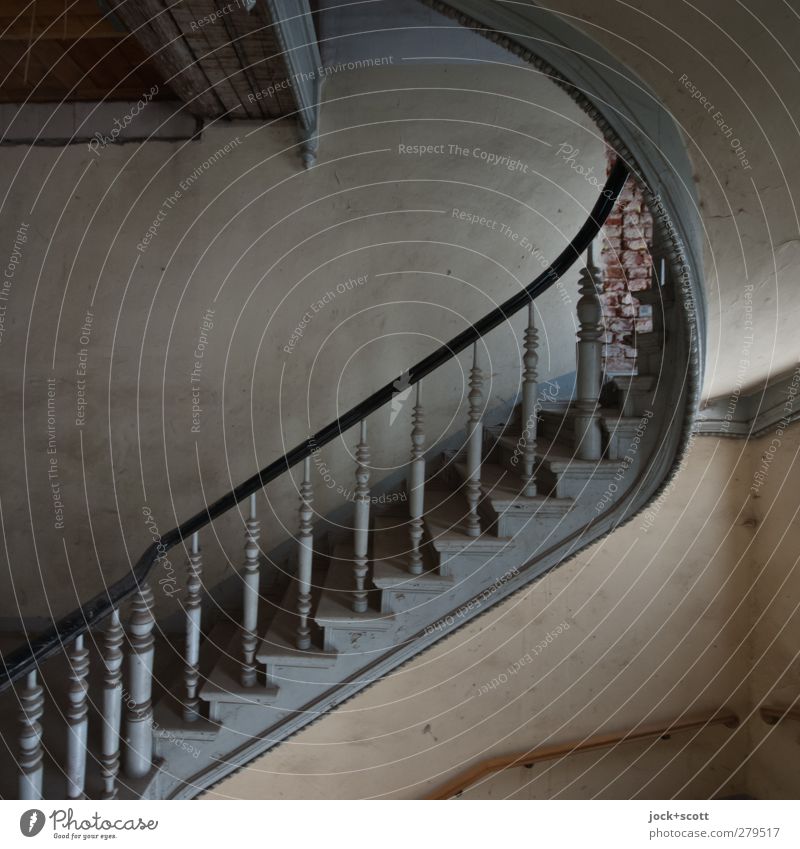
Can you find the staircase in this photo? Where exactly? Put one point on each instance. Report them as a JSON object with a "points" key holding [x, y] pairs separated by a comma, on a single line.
{"points": [[104, 705]]}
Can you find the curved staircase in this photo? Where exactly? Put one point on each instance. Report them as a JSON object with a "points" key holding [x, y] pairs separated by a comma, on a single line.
{"points": [[519, 496]]}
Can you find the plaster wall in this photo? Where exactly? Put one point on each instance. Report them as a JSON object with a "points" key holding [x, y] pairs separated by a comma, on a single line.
{"points": [[151, 280]]}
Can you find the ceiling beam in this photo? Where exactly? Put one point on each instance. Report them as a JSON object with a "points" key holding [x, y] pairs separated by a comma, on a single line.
{"points": [[153, 26]]}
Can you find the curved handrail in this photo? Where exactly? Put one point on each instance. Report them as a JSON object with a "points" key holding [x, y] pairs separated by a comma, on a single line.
{"points": [[26, 658], [602, 741]]}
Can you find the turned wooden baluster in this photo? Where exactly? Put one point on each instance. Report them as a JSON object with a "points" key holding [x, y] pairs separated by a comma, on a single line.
{"points": [[77, 718], [194, 609], [112, 705], [138, 700], [588, 438], [305, 554], [530, 390], [361, 523], [251, 578], [474, 446], [31, 700], [416, 487]]}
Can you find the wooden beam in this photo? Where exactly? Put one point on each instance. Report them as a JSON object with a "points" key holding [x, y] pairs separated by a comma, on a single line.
{"points": [[72, 28], [153, 26]]}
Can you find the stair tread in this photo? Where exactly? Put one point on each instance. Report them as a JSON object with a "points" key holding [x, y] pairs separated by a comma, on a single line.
{"points": [[335, 607], [445, 525], [558, 458], [278, 647], [503, 489], [390, 562], [223, 683]]}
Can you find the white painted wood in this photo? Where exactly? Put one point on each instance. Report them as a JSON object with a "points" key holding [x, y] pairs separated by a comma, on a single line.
{"points": [[138, 758], [251, 585], [416, 487], [588, 434], [474, 446], [361, 523], [530, 389], [31, 700], [112, 705], [194, 612], [305, 555], [77, 714]]}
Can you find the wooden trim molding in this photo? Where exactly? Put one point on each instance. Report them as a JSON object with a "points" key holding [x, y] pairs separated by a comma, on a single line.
{"points": [[745, 416], [500, 763], [774, 715]]}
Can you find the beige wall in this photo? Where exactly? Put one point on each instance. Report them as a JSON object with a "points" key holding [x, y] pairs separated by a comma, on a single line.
{"points": [[272, 240]]}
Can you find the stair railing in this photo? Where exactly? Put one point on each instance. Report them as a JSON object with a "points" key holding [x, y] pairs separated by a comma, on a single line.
{"points": [[130, 707]]}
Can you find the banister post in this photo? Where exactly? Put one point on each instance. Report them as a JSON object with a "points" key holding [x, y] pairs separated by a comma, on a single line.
{"points": [[77, 714], [251, 583], [112, 705], [31, 699], [194, 610], [361, 523], [139, 715], [530, 389], [588, 436], [305, 557], [474, 445], [416, 487]]}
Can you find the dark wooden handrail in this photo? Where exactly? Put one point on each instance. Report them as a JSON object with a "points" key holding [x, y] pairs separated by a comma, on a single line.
{"points": [[29, 656], [499, 763]]}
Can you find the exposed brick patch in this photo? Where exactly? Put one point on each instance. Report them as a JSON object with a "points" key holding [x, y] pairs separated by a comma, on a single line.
{"points": [[627, 266]]}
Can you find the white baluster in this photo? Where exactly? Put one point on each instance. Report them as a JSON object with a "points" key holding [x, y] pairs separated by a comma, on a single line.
{"points": [[31, 700], [251, 585], [416, 487], [361, 523], [588, 437], [194, 609], [305, 556], [474, 446], [138, 701], [77, 714], [530, 390], [112, 705]]}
